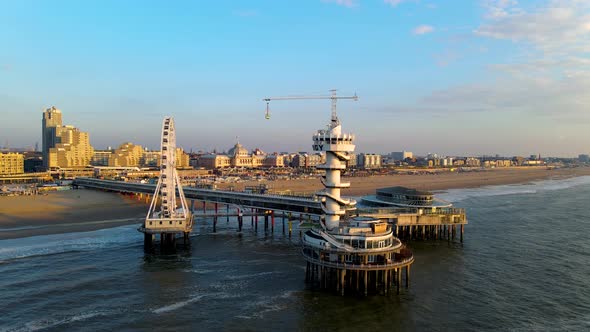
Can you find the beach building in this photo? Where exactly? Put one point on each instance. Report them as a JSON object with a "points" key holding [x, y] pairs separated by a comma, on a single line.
{"points": [[584, 158], [12, 164], [274, 160], [402, 155], [72, 151], [63, 146], [101, 157], [369, 160], [126, 155], [52, 119], [305, 160]]}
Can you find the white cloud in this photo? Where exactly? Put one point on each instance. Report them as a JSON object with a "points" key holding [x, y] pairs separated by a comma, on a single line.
{"points": [[423, 29], [345, 3], [559, 27]]}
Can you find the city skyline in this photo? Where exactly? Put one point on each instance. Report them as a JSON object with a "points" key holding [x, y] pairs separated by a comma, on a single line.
{"points": [[456, 79]]}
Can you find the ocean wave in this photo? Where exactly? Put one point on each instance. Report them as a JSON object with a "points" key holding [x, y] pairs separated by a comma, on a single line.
{"points": [[44, 324], [456, 195], [178, 305], [257, 309], [68, 242]]}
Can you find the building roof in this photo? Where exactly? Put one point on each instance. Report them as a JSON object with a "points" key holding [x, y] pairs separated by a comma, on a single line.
{"points": [[237, 150], [402, 190]]}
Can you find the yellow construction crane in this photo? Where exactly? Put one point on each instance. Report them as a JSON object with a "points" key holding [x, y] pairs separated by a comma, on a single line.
{"points": [[332, 97]]}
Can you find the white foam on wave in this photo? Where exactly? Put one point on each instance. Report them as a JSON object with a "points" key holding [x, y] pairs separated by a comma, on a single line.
{"points": [[456, 195], [257, 309], [44, 324], [67, 242], [178, 305]]}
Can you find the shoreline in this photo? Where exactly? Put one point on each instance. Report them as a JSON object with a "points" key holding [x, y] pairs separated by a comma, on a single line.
{"points": [[88, 210], [361, 186]]}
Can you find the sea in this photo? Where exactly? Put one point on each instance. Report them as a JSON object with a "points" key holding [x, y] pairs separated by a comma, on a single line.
{"points": [[524, 265]]}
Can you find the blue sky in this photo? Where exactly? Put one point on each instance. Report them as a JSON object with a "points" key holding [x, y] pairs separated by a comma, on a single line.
{"points": [[451, 77]]}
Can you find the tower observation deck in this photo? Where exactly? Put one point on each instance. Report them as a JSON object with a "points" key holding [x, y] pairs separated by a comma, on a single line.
{"points": [[168, 214], [337, 147]]}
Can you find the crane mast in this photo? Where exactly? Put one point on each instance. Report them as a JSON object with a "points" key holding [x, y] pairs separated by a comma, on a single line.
{"points": [[333, 97]]}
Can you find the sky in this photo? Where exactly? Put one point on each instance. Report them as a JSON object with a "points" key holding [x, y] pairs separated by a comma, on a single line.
{"points": [[480, 77]]}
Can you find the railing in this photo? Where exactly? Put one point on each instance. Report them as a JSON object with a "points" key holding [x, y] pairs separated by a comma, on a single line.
{"points": [[348, 266], [400, 210]]}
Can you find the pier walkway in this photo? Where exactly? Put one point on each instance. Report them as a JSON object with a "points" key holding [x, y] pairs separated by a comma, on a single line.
{"points": [[286, 203]]}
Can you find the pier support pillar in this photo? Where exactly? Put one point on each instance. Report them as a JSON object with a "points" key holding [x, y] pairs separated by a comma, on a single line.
{"points": [[272, 221], [265, 221], [147, 241], [398, 275], [462, 233], [240, 220], [342, 281], [407, 276], [185, 238], [256, 220]]}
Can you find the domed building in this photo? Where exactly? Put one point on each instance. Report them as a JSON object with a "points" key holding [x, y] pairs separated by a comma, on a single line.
{"points": [[240, 157]]}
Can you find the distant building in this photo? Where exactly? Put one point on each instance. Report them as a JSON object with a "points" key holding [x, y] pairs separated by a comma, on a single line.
{"points": [[274, 160], [369, 160], [397, 156], [101, 157], [182, 159], [518, 161], [51, 121], [473, 162], [305, 160], [584, 158], [63, 146], [12, 164], [73, 149], [351, 163], [126, 155], [150, 158], [240, 157]]}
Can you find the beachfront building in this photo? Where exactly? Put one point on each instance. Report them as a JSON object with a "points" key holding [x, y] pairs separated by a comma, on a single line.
{"points": [[52, 119], [305, 160], [101, 157], [12, 164], [369, 160], [240, 157], [402, 155], [72, 151], [274, 160], [126, 155], [584, 158], [63, 146]]}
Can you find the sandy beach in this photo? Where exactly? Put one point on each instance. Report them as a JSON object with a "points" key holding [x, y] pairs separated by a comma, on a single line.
{"points": [[87, 210], [67, 211], [434, 182]]}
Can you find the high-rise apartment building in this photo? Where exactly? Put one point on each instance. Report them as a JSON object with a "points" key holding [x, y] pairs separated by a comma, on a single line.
{"points": [[12, 163], [127, 155], [51, 121], [63, 146]]}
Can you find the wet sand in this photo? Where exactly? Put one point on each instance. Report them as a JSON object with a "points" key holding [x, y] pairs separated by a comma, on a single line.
{"points": [[67, 211], [87, 210]]}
